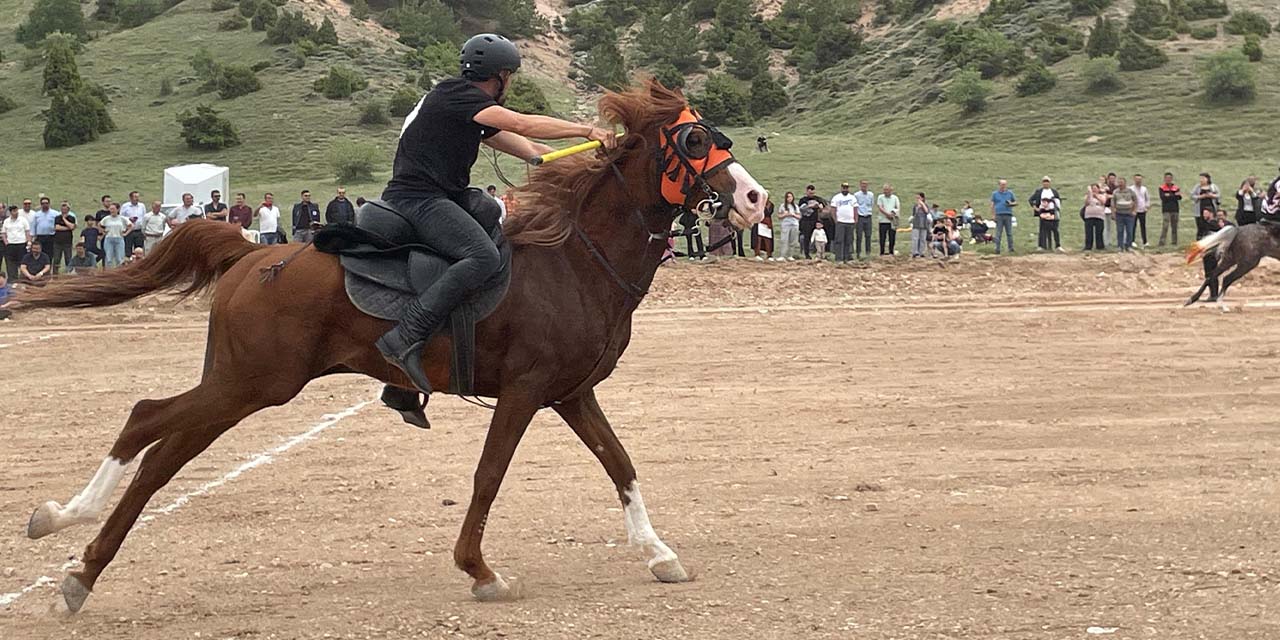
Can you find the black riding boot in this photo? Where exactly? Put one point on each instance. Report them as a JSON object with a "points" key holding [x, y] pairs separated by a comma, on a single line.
{"points": [[403, 345]]}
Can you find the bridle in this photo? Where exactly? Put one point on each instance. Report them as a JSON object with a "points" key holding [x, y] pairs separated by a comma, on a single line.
{"points": [[679, 173]]}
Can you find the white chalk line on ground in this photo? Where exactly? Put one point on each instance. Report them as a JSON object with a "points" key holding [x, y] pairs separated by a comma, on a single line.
{"points": [[6, 345], [257, 460]]}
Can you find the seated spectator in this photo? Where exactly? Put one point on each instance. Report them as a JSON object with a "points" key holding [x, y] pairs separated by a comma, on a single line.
{"points": [[4, 297], [979, 230], [966, 213], [944, 238], [82, 261], [36, 266], [137, 255]]}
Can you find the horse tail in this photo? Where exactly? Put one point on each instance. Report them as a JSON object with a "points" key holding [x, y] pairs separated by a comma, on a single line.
{"points": [[189, 259], [1218, 241]]}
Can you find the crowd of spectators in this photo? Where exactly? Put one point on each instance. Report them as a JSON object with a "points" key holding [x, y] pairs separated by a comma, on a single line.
{"points": [[1113, 211]]}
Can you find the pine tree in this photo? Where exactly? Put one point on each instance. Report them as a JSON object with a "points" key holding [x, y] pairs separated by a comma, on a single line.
{"points": [[360, 10], [750, 58], [61, 74], [48, 16], [1104, 39], [326, 34], [106, 11], [767, 95]]}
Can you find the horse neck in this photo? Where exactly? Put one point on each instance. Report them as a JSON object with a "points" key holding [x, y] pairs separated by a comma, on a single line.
{"points": [[621, 233]]}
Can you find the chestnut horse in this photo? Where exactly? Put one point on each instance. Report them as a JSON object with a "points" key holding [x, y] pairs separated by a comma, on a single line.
{"points": [[587, 243]]}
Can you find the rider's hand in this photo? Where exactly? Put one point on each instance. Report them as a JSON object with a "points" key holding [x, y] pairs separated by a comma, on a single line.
{"points": [[605, 136]]}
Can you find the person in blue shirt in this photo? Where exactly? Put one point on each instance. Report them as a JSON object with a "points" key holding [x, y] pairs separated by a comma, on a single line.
{"points": [[44, 223], [1002, 204], [4, 297]]}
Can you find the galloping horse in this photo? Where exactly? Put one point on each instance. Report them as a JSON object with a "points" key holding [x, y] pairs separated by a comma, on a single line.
{"points": [[1238, 250], [588, 241]]}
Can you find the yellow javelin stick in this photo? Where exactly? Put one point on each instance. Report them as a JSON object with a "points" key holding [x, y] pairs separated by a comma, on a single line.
{"points": [[562, 153]]}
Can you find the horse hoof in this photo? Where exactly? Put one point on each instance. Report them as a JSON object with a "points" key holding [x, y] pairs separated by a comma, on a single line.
{"points": [[497, 590], [670, 571], [43, 520], [74, 593], [416, 418]]}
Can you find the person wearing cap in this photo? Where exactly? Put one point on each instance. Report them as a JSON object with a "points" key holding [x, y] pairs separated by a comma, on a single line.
{"points": [[846, 206], [439, 142], [1047, 205]]}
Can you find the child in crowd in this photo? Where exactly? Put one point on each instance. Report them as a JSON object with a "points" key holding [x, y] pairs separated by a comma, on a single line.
{"points": [[136, 255], [91, 236], [979, 230], [820, 241], [966, 213]]}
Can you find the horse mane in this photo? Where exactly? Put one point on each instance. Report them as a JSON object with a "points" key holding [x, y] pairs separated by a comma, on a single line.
{"points": [[557, 191]]}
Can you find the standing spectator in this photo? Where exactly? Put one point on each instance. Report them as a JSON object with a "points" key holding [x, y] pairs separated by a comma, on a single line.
{"points": [[509, 199], [866, 208], [45, 225], [340, 211], [153, 227], [114, 229], [28, 214], [187, 211], [133, 211], [762, 144], [1170, 196], [810, 206], [691, 233], [1142, 203], [17, 234], [1047, 204], [91, 236], [846, 206], [1124, 202], [762, 234], [102, 213], [1248, 201], [82, 261], [738, 244], [242, 214], [920, 223], [820, 242], [1109, 209], [36, 266], [1002, 204], [1206, 196], [888, 206], [268, 221], [216, 209], [721, 237], [1094, 215], [306, 219], [789, 221], [64, 230]]}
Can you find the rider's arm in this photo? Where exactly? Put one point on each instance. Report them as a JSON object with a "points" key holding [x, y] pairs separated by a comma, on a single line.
{"points": [[517, 145], [543, 127]]}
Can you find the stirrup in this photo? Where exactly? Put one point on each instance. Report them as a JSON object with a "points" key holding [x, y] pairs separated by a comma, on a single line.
{"points": [[409, 361]]}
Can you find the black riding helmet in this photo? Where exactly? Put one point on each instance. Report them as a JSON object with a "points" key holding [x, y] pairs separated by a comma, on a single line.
{"points": [[485, 54]]}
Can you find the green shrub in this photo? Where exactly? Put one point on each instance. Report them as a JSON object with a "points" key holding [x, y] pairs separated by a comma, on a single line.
{"points": [[74, 118], [206, 130], [748, 55], [373, 113], [403, 101], [222, 5], [938, 29], [588, 28], [233, 22], [48, 16], [606, 67], [265, 16], [1136, 54], [1245, 22], [1087, 7], [1101, 75], [768, 96], [354, 161], [7, 104], [105, 11], [1104, 39], [291, 27], [166, 87], [326, 34], [1204, 31], [524, 95], [1252, 47], [248, 8], [1228, 78], [723, 101], [1035, 80], [134, 13], [984, 49], [969, 91], [236, 80], [422, 22], [204, 65], [833, 44], [1151, 18], [671, 39], [668, 75], [340, 83], [360, 10], [514, 17], [1199, 9], [61, 73], [1056, 41]]}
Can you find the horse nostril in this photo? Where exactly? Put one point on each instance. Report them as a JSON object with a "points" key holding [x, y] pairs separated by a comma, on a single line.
{"points": [[753, 196]]}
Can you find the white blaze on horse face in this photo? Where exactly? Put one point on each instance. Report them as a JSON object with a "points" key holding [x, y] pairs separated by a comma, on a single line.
{"points": [[749, 197], [640, 532]]}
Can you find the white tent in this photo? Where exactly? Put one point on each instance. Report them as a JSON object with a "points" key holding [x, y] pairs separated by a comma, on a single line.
{"points": [[196, 179]]}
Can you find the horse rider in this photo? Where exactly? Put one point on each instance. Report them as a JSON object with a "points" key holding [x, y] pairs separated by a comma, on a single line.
{"points": [[439, 142]]}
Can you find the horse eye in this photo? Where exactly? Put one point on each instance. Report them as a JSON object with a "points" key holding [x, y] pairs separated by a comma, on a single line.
{"points": [[697, 144]]}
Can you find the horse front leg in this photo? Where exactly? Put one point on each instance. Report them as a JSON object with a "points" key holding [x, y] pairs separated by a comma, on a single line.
{"points": [[584, 416], [510, 420]]}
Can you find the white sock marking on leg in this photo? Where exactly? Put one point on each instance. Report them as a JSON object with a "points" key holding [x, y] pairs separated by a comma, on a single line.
{"points": [[640, 531], [89, 503]]}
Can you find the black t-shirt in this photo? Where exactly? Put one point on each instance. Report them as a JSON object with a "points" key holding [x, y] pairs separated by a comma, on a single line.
{"points": [[211, 208], [101, 215], [60, 236], [440, 141], [809, 215], [35, 263]]}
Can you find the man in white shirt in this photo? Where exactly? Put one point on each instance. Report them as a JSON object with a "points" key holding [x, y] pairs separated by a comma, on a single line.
{"points": [[889, 207], [17, 234], [846, 206], [133, 211], [154, 225], [187, 211], [866, 206], [1141, 204], [268, 221]]}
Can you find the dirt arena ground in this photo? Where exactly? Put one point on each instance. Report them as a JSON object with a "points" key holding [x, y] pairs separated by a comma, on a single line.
{"points": [[1041, 448]]}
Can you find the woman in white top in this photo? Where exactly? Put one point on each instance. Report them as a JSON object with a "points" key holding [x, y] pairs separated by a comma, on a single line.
{"points": [[789, 217], [17, 234], [114, 228]]}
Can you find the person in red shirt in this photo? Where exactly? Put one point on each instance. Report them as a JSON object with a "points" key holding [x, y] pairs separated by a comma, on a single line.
{"points": [[1170, 196], [240, 213]]}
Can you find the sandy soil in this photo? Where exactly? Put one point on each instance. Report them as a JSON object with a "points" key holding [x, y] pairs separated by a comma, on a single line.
{"points": [[1021, 449]]}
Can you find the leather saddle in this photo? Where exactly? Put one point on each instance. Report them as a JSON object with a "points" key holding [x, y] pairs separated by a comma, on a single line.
{"points": [[386, 266]]}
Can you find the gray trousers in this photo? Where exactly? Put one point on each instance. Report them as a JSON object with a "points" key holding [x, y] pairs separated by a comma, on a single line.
{"points": [[843, 241], [149, 243], [1169, 222], [919, 242], [788, 237]]}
